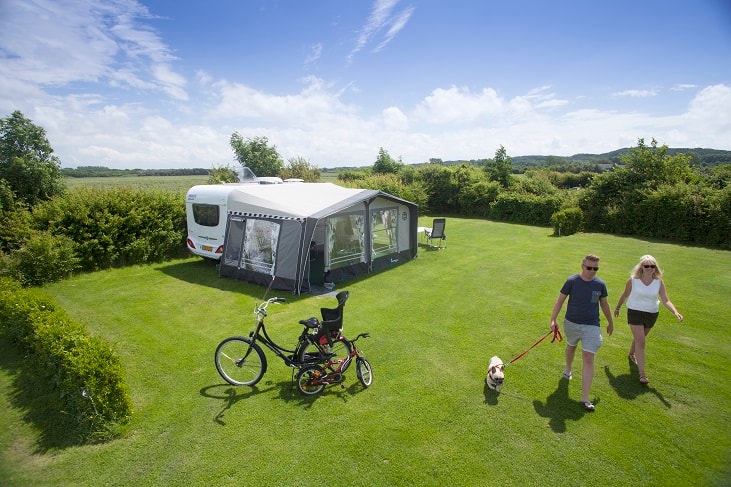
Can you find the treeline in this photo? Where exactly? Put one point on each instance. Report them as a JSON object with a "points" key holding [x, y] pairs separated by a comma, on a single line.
{"points": [[105, 172], [649, 193]]}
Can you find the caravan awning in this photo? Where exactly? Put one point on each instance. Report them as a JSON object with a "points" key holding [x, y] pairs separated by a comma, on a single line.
{"points": [[294, 201]]}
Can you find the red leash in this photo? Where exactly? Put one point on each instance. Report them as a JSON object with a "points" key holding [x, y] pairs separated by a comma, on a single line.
{"points": [[556, 336]]}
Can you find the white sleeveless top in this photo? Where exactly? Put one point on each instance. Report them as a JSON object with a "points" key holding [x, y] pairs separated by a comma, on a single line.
{"points": [[644, 298]]}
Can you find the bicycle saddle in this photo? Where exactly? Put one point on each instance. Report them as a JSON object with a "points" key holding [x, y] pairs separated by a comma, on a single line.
{"points": [[310, 322]]}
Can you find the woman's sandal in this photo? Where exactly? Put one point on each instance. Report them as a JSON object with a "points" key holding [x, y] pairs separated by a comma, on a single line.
{"points": [[589, 406], [644, 380], [632, 358]]}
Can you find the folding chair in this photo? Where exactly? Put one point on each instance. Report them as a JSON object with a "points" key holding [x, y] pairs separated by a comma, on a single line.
{"points": [[436, 232]]}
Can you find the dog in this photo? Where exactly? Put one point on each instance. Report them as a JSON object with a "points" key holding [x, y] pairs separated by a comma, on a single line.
{"points": [[495, 373]]}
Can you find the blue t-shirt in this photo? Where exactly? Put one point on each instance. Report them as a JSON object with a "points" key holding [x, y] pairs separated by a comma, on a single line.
{"points": [[583, 306]]}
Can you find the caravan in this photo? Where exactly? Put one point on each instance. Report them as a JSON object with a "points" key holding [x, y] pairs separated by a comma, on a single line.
{"points": [[206, 206], [205, 209]]}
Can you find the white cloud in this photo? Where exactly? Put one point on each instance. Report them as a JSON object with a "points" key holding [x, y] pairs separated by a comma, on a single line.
{"points": [[379, 18], [454, 104], [397, 24], [636, 93], [395, 119], [315, 51], [58, 42]]}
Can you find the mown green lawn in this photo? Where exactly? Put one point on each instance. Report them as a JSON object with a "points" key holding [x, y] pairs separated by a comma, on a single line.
{"points": [[428, 418]]}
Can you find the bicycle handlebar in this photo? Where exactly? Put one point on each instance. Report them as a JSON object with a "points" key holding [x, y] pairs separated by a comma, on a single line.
{"points": [[262, 308]]}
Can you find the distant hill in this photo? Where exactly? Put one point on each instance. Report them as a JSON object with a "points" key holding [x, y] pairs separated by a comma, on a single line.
{"points": [[699, 157]]}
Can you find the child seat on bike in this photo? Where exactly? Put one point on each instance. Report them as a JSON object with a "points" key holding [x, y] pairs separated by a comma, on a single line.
{"points": [[332, 320]]}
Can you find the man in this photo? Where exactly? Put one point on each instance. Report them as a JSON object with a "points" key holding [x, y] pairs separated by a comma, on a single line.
{"points": [[586, 293]]}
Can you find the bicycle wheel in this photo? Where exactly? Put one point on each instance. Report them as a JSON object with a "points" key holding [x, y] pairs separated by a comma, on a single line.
{"points": [[308, 380], [364, 371], [340, 349], [240, 362]]}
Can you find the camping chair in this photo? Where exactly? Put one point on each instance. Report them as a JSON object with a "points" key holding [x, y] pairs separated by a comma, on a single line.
{"points": [[332, 318], [436, 232]]}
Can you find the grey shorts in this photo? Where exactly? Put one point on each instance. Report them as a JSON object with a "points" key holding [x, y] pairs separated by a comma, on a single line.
{"points": [[590, 336]]}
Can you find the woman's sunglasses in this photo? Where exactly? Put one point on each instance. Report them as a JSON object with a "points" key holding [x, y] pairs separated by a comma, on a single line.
{"points": [[649, 266]]}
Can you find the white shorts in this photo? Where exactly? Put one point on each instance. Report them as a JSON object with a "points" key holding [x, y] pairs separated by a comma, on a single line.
{"points": [[590, 336]]}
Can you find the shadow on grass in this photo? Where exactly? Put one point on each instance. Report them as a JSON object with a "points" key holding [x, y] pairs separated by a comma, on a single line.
{"points": [[559, 408], [230, 395], [201, 272], [29, 394], [628, 385], [204, 272]]}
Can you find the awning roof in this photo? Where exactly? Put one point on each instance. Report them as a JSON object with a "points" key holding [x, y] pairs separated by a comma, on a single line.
{"points": [[296, 200]]}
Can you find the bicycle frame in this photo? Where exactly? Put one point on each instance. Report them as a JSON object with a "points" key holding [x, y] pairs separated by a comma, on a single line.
{"points": [[335, 374], [259, 334]]}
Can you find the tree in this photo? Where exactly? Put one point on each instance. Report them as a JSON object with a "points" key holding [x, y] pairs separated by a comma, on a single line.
{"points": [[385, 164], [649, 167], [27, 162], [256, 154], [300, 168], [222, 174], [499, 169]]}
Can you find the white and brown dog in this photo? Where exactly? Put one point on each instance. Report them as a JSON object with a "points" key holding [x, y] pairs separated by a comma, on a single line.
{"points": [[495, 373]]}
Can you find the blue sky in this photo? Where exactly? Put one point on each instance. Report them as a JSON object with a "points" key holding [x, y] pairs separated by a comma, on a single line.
{"points": [[164, 84]]}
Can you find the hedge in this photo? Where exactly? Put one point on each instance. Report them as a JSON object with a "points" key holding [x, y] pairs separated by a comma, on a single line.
{"points": [[79, 377], [117, 227]]}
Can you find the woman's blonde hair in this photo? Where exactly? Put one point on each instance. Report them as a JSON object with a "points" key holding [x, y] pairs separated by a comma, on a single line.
{"points": [[646, 259]]}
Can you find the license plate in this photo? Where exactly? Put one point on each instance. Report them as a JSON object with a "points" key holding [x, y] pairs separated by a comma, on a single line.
{"points": [[208, 248]]}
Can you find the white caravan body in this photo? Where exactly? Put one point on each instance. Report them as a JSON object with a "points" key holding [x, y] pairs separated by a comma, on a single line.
{"points": [[206, 211]]}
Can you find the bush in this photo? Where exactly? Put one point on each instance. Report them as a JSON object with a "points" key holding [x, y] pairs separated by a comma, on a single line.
{"points": [[79, 377], [687, 213], [475, 198], [44, 258], [116, 227], [524, 208], [567, 222]]}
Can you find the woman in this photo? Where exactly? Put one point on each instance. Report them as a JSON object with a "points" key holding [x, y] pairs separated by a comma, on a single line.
{"points": [[641, 292]]}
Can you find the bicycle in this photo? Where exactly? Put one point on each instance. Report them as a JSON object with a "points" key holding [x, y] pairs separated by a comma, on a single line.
{"points": [[313, 378], [241, 361]]}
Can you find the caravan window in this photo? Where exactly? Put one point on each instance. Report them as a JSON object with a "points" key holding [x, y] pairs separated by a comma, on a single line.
{"points": [[384, 229], [260, 245], [345, 240], [206, 215]]}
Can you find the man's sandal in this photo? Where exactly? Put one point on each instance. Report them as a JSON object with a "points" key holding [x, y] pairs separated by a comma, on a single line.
{"points": [[589, 406], [644, 380]]}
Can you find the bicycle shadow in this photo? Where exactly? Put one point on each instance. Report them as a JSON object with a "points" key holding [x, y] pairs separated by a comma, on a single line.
{"points": [[559, 408], [230, 396], [627, 386], [287, 391], [344, 392]]}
